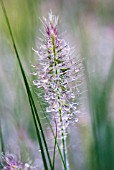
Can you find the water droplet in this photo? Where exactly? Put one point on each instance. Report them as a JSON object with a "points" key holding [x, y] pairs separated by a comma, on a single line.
{"points": [[48, 109], [35, 82], [76, 119], [34, 73], [45, 80], [72, 95], [33, 66], [66, 108], [76, 71], [27, 165]]}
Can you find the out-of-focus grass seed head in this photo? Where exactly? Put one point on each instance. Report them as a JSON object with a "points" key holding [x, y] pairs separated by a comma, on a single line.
{"points": [[57, 73], [10, 162]]}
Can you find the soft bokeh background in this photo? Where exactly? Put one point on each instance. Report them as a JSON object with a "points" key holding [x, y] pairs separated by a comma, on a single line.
{"points": [[89, 26]]}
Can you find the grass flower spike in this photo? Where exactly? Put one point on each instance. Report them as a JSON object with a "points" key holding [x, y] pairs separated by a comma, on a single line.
{"points": [[57, 74], [10, 162]]}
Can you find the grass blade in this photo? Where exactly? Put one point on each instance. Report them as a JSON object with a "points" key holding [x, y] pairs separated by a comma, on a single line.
{"points": [[55, 145], [1, 140]]}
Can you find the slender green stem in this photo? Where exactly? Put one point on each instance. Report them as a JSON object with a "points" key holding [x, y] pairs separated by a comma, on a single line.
{"points": [[60, 105], [1, 139], [63, 139], [38, 134], [43, 136], [55, 143]]}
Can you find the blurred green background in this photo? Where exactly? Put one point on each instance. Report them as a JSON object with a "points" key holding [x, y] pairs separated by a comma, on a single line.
{"points": [[89, 26]]}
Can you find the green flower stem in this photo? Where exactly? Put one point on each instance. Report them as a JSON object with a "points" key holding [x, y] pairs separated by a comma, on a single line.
{"points": [[1, 140], [55, 143], [55, 73], [63, 139]]}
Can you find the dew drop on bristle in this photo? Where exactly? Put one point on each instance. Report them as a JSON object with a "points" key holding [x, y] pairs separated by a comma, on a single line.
{"points": [[35, 82]]}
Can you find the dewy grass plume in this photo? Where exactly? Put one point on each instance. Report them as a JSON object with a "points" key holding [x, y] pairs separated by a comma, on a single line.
{"points": [[10, 162], [57, 73]]}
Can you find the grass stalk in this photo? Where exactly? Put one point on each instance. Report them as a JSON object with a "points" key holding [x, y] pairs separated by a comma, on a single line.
{"points": [[55, 142], [1, 140], [63, 140]]}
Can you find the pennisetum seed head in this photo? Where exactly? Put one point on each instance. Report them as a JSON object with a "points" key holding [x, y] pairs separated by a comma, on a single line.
{"points": [[57, 74], [10, 162]]}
